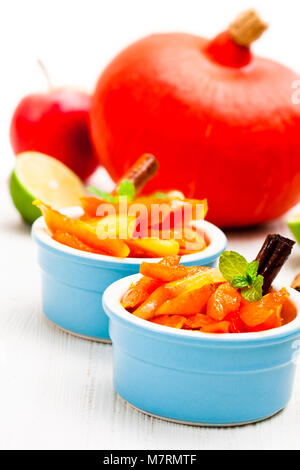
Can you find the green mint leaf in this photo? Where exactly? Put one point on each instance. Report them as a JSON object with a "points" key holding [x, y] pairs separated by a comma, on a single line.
{"points": [[102, 194], [239, 282], [254, 293], [232, 264], [127, 189], [252, 271]]}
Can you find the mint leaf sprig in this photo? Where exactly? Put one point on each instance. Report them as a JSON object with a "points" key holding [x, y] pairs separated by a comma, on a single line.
{"points": [[160, 195], [242, 275], [126, 188], [102, 194]]}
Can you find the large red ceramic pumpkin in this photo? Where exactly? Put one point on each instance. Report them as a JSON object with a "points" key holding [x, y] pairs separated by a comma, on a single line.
{"points": [[220, 121]]}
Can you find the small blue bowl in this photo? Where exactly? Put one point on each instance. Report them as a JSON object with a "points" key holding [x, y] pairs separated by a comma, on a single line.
{"points": [[73, 281], [199, 378]]}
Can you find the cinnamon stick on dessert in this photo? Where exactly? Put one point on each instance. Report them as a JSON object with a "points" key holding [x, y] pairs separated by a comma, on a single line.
{"points": [[141, 171], [273, 254]]}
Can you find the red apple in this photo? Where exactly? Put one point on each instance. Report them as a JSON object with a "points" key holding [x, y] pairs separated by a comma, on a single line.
{"points": [[56, 123]]}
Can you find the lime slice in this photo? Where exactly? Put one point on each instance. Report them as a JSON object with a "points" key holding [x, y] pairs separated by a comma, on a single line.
{"points": [[294, 225], [38, 176]]}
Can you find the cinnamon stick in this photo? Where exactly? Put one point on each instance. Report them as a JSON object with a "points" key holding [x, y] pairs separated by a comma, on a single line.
{"points": [[273, 254], [142, 170]]}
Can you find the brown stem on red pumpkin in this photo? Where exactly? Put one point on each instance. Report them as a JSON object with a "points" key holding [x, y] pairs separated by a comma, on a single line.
{"points": [[246, 28]]}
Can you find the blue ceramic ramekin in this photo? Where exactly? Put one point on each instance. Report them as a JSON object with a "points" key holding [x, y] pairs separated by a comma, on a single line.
{"points": [[73, 281], [200, 378]]}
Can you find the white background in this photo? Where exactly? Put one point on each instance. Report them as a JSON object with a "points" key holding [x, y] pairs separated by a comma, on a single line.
{"points": [[56, 390]]}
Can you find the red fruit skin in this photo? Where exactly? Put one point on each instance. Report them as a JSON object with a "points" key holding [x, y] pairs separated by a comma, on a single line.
{"points": [[225, 133], [57, 124]]}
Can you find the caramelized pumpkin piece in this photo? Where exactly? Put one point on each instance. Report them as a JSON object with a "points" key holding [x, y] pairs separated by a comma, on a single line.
{"points": [[172, 289], [197, 321], [224, 300], [148, 308], [173, 210], [57, 222], [190, 241], [216, 327], [71, 240], [236, 324], [167, 273], [188, 303], [153, 247], [175, 321], [264, 314], [114, 226], [138, 292], [176, 204], [178, 207], [288, 312], [195, 281], [90, 205]]}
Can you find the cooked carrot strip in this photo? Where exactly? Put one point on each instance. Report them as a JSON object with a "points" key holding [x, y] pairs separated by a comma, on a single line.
{"points": [[218, 327], [56, 221], [175, 321], [188, 303], [71, 240], [224, 300]]}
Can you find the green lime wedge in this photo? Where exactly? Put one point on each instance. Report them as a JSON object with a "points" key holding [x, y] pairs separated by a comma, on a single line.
{"points": [[294, 226], [38, 176]]}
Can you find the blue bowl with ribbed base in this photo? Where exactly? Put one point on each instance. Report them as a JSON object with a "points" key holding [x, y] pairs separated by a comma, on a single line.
{"points": [[199, 378], [73, 281]]}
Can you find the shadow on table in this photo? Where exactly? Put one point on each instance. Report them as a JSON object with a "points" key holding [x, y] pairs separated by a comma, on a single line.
{"points": [[16, 226]]}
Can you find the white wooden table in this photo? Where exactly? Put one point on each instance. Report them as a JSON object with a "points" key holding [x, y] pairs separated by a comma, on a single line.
{"points": [[56, 390]]}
